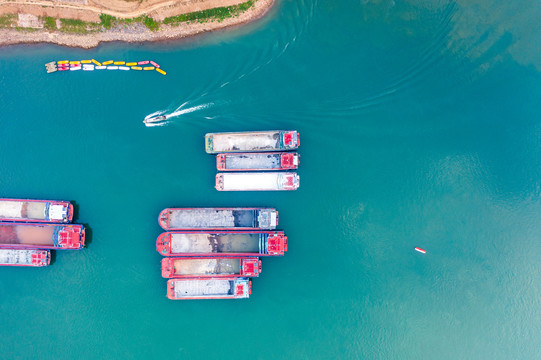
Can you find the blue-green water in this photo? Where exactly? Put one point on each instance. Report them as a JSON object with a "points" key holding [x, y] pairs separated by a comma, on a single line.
{"points": [[420, 126]]}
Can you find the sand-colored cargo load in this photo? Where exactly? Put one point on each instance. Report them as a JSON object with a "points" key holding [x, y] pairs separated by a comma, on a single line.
{"points": [[218, 218], [27, 210], [257, 161], [189, 267], [252, 141], [195, 289]]}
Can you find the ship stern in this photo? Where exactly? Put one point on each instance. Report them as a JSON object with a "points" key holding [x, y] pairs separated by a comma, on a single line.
{"points": [[163, 244]]}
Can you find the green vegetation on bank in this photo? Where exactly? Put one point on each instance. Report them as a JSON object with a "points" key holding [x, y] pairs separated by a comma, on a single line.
{"points": [[78, 26], [219, 14], [8, 20], [108, 21], [49, 23]]}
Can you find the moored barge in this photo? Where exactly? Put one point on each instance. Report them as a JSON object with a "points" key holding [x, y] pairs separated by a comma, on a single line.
{"points": [[41, 236], [257, 161], [218, 218], [252, 141], [257, 181], [24, 257], [202, 243], [36, 210], [189, 267], [192, 289]]}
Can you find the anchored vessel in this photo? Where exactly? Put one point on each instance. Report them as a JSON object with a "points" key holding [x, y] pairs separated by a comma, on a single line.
{"points": [[41, 236], [258, 181], [200, 243], [252, 141], [218, 218], [24, 257], [257, 161], [189, 267], [228, 288], [36, 210]]}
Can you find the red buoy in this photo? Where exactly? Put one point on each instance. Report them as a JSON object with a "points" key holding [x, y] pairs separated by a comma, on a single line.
{"points": [[420, 250]]}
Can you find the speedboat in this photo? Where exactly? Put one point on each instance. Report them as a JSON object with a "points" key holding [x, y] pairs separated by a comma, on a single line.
{"points": [[155, 119]]}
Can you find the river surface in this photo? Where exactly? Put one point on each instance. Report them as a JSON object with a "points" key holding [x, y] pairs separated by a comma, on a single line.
{"points": [[420, 126]]}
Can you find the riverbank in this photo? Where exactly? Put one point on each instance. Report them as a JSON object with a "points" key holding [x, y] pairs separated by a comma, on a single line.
{"points": [[36, 25]]}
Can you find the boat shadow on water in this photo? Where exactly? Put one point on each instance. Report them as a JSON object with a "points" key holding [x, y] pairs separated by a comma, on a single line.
{"points": [[88, 235]]}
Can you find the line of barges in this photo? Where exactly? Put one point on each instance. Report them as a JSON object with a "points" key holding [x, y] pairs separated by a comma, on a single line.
{"points": [[241, 153], [211, 253], [30, 228]]}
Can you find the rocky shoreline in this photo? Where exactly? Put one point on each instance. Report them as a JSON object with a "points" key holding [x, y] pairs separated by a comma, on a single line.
{"points": [[132, 32]]}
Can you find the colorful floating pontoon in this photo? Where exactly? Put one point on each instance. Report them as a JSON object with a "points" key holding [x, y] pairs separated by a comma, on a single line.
{"points": [[192, 289], [90, 65], [24, 257], [198, 267]]}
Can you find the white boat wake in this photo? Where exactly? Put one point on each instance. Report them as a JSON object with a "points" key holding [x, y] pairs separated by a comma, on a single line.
{"points": [[159, 118]]}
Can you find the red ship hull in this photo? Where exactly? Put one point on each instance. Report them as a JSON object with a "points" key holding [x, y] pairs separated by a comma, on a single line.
{"points": [[41, 236], [172, 268], [222, 243], [48, 204], [207, 289]]}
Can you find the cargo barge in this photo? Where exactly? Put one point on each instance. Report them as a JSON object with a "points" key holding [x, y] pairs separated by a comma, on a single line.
{"points": [[41, 236], [252, 141], [257, 181], [24, 257], [218, 218], [257, 161], [195, 289], [190, 267], [36, 210], [245, 243]]}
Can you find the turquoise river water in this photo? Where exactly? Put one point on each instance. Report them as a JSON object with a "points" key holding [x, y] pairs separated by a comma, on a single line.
{"points": [[420, 126]]}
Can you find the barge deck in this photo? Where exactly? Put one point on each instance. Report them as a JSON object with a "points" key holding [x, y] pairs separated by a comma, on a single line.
{"points": [[218, 218], [257, 181], [246, 243], [24, 257], [26, 210], [192, 289], [257, 161], [41, 236], [252, 141], [188, 267]]}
